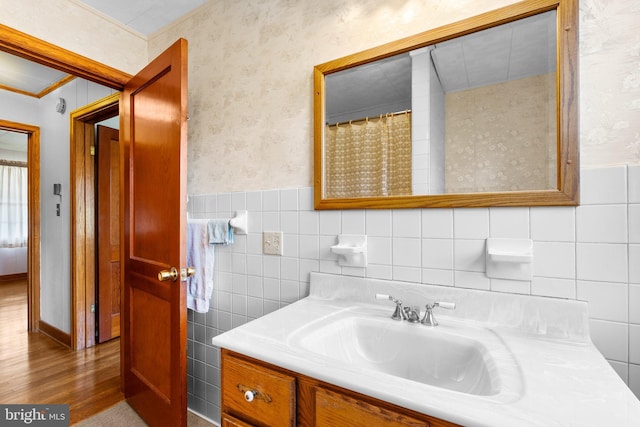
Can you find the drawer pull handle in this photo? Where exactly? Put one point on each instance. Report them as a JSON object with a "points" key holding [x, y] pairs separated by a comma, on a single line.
{"points": [[250, 394]]}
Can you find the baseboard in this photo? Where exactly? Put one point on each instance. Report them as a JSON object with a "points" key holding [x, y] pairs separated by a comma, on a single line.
{"points": [[55, 333], [13, 277]]}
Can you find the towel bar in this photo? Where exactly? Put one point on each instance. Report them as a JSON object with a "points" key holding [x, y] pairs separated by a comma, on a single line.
{"points": [[239, 222]]}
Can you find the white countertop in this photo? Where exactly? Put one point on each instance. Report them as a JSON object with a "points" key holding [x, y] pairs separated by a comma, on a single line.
{"points": [[550, 372]]}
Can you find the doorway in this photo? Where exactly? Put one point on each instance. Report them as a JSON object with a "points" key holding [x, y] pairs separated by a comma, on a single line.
{"points": [[34, 49], [33, 241], [159, 395], [84, 239]]}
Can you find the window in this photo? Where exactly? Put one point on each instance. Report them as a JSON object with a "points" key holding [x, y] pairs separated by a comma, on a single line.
{"points": [[14, 226]]}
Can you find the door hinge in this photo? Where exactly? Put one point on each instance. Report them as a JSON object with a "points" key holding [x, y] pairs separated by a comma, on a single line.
{"points": [[92, 150], [93, 308]]}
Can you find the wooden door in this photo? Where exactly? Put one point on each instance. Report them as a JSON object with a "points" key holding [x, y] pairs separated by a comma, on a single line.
{"points": [[153, 131], [108, 234]]}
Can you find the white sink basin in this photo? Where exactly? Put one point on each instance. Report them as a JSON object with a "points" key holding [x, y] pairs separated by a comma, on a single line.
{"points": [[437, 356]]}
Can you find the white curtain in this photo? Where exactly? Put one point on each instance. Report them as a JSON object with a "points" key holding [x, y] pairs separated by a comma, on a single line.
{"points": [[14, 226]]}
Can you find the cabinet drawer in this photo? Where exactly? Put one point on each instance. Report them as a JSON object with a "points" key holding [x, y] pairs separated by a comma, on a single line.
{"points": [[333, 409], [229, 421], [257, 394]]}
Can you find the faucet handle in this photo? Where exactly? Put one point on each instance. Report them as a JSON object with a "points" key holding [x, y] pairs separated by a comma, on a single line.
{"points": [[447, 305], [399, 313], [428, 318]]}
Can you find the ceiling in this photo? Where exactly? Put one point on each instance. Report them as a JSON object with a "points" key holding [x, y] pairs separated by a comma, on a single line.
{"points": [[511, 51], [144, 16], [32, 79]]}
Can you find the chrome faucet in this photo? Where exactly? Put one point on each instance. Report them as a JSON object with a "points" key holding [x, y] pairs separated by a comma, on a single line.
{"points": [[428, 318], [400, 312], [412, 314]]}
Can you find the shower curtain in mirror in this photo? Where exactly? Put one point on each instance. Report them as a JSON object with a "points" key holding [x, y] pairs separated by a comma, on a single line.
{"points": [[370, 158], [13, 206]]}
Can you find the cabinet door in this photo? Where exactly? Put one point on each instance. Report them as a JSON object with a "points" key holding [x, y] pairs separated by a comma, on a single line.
{"points": [[256, 394], [333, 409], [229, 421]]}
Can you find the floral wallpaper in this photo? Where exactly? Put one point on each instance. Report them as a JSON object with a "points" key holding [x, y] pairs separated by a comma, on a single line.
{"points": [[609, 82], [496, 141], [251, 84]]}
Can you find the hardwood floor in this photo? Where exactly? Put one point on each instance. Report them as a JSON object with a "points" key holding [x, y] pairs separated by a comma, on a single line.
{"points": [[36, 369]]}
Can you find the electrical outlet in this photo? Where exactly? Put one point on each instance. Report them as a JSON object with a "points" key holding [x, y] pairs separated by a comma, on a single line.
{"points": [[272, 242]]}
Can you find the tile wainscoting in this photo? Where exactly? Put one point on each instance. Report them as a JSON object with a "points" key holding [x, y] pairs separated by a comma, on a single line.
{"points": [[590, 252]]}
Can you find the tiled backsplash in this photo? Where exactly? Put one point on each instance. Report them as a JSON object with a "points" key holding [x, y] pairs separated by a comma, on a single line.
{"points": [[590, 253]]}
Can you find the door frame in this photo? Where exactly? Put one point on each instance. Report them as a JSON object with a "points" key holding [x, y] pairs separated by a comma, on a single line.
{"points": [[31, 48], [37, 50], [33, 209], [83, 216]]}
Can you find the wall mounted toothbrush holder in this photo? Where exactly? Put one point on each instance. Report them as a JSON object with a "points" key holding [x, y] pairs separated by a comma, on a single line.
{"points": [[351, 250], [509, 258], [240, 222]]}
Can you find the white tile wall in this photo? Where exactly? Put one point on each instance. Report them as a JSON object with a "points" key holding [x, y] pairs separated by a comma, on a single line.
{"points": [[601, 223], [509, 222], [590, 252], [607, 301], [551, 287], [634, 223], [437, 223], [634, 344], [605, 185], [634, 183], [611, 338], [553, 224], [634, 379], [602, 262]]}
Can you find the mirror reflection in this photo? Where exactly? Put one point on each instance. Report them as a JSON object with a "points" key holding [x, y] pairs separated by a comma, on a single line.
{"points": [[477, 113]]}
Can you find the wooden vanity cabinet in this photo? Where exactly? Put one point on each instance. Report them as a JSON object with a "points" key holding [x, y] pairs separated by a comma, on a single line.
{"points": [[285, 398]]}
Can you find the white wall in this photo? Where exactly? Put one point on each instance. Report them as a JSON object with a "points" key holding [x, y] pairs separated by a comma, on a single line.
{"points": [[18, 108]]}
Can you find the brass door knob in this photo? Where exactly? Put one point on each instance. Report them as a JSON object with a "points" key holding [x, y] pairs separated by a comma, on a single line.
{"points": [[165, 275]]}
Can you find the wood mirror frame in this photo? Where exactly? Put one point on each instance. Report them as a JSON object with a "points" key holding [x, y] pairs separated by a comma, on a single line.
{"points": [[568, 168]]}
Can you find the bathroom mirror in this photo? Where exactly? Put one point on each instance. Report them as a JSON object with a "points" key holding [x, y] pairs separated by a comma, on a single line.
{"points": [[481, 112]]}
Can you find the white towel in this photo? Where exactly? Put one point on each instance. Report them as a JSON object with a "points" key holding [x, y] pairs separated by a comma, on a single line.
{"points": [[200, 255]]}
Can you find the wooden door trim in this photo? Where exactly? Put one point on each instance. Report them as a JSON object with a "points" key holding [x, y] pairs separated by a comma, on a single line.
{"points": [[37, 50], [33, 249], [83, 218]]}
